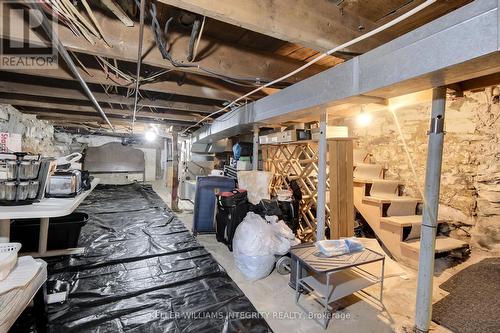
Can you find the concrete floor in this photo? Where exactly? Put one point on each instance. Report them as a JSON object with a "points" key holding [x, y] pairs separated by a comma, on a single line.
{"points": [[275, 299]]}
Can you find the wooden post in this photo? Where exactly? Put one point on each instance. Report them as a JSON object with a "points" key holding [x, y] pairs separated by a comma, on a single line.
{"points": [[4, 231], [341, 188], [43, 236], [165, 162], [175, 173]]}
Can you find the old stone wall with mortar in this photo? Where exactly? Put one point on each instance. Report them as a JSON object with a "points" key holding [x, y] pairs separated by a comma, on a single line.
{"points": [[470, 183], [37, 135]]}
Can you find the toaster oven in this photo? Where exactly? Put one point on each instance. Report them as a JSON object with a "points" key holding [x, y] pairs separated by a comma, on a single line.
{"points": [[64, 184]]}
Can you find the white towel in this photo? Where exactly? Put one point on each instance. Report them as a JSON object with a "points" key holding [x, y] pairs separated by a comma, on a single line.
{"points": [[21, 274]]}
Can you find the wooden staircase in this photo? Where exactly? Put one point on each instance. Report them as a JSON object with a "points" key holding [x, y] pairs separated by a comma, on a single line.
{"points": [[396, 219]]}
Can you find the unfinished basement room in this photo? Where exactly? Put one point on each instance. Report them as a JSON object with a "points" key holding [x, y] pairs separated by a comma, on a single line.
{"points": [[249, 166]]}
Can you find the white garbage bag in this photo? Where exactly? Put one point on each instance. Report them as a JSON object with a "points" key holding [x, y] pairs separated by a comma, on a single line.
{"points": [[257, 241], [253, 247], [253, 237], [255, 267]]}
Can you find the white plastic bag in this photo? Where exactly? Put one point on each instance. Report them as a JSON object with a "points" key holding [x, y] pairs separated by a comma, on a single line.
{"points": [[253, 247], [255, 267], [253, 237], [337, 247], [280, 228], [257, 241]]}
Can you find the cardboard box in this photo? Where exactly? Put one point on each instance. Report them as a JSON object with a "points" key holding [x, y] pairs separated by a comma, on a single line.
{"points": [[294, 135], [243, 165], [274, 137], [331, 132]]}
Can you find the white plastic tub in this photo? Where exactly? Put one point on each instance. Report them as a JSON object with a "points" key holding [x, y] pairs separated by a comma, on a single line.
{"points": [[8, 258]]}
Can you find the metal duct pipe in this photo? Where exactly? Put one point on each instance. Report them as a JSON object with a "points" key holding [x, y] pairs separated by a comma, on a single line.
{"points": [[139, 60], [67, 58]]}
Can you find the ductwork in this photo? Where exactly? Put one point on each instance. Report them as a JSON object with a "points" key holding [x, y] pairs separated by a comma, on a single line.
{"points": [[459, 46]]}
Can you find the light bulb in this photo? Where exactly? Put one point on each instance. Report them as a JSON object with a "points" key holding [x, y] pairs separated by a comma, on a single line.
{"points": [[150, 135], [364, 119]]}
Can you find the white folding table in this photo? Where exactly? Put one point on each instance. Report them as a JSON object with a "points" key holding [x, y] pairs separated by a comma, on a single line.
{"points": [[45, 209]]}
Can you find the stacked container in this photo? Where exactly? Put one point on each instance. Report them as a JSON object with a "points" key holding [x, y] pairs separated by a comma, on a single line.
{"points": [[18, 178]]}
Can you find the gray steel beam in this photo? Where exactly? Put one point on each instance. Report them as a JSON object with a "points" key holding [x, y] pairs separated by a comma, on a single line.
{"points": [[459, 46]]}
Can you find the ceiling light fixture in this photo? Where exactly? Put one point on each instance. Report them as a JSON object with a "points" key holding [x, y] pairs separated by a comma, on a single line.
{"points": [[364, 118], [150, 135]]}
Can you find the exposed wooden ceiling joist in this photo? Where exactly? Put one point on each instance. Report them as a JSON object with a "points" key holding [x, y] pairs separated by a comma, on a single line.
{"points": [[480, 82], [224, 59], [318, 24], [72, 94], [83, 118], [62, 107], [99, 77]]}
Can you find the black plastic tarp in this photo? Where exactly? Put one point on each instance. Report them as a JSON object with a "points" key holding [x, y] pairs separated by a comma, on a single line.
{"points": [[143, 271]]}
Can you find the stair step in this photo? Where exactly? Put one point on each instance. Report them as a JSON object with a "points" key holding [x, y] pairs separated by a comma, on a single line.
{"points": [[384, 187], [402, 221], [389, 199], [368, 171], [443, 244], [372, 180]]}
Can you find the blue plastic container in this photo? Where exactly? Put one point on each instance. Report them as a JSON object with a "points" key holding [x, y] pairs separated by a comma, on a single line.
{"points": [[205, 201]]}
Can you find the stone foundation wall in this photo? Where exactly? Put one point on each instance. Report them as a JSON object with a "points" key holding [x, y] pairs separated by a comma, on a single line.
{"points": [[470, 183], [37, 135], [40, 137]]}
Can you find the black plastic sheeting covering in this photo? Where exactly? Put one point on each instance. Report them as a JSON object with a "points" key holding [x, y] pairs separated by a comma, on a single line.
{"points": [[143, 271]]}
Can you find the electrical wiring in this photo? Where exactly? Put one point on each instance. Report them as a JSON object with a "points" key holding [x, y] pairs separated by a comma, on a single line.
{"points": [[105, 67], [116, 69], [162, 46], [319, 57], [82, 66], [195, 51]]}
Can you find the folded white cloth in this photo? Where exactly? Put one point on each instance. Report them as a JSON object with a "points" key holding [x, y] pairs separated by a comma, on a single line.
{"points": [[24, 271]]}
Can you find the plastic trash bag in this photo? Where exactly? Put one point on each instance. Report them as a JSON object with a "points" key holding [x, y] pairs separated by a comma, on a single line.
{"points": [[337, 247], [253, 237], [255, 267], [256, 242]]}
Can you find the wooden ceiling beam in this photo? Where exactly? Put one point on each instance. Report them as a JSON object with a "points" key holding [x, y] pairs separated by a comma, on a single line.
{"points": [[166, 87], [319, 24], [224, 59], [480, 82], [83, 118], [61, 107], [73, 94]]}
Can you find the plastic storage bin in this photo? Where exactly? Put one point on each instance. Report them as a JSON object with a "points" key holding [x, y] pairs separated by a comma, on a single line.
{"points": [[64, 232]]}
